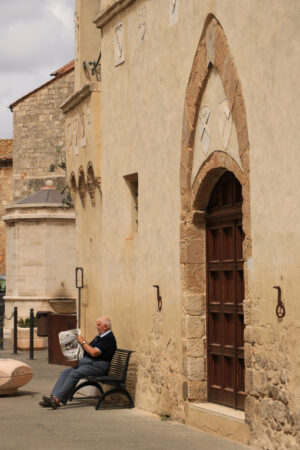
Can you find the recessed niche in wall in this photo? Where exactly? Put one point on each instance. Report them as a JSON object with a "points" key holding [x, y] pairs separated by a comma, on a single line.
{"points": [[132, 182], [75, 124], [82, 130], [70, 137], [119, 44]]}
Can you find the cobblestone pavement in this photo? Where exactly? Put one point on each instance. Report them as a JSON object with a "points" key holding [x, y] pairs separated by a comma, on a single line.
{"points": [[78, 426]]}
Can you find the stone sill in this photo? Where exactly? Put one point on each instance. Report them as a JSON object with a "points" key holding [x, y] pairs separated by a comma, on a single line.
{"points": [[36, 206], [76, 98], [220, 410], [26, 298], [21, 217], [111, 11]]}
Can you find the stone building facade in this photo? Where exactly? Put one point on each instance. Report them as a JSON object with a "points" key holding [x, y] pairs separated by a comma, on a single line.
{"points": [[40, 236], [184, 172], [40, 225], [39, 133], [6, 163]]}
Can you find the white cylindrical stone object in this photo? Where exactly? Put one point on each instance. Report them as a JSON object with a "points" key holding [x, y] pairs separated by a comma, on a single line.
{"points": [[13, 374]]}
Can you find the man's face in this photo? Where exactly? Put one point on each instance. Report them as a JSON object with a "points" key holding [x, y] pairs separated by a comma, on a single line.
{"points": [[101, 327]]}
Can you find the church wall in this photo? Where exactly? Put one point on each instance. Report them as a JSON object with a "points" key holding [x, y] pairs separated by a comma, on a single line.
{"points": [[144, 126]]}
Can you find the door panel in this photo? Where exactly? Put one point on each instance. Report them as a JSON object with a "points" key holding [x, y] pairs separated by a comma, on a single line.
{"points": [[214, 247], [228, 291], [215, 328], [214, 286], [228, 335], [225, 294]]}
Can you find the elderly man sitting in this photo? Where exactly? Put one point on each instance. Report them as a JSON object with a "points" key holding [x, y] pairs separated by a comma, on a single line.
{"points": [[95, 362]]}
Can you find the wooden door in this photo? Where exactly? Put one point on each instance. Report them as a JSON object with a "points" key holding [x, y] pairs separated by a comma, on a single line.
{"points": [[225, 294]]}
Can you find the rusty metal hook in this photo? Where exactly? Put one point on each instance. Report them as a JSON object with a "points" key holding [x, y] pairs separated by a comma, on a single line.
{"points": [[280, 309], [159, 299]]}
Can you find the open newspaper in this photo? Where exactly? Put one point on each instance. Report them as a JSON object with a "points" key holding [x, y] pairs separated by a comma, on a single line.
{"points": [[71, 349]]}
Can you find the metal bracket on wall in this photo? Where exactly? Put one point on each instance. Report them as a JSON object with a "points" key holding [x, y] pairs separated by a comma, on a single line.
{"points": [[159, 299], [94, 67], [280, 309]]}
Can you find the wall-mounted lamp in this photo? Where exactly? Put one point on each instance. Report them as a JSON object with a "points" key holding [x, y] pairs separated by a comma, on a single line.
{"points": [[159, 299], [94, 67]]}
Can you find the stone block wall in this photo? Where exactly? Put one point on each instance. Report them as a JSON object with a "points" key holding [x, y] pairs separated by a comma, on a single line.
{"points": [[159, 372], [38, 132], [271, 404], [5, 199]]}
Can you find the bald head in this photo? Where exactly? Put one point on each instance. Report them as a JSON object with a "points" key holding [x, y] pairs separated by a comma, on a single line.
{"points": [[105, 321]]}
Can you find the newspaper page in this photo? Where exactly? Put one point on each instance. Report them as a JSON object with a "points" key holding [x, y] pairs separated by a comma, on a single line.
{"points": [[71, 349]]}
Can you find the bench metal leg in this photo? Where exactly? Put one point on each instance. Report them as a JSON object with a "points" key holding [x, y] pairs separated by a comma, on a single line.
{"points": [[84, 384], [119, 390]]}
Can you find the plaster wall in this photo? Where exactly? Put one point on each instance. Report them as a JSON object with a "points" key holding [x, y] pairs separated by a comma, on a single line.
{"points": [[89, 257], [83, 111]]}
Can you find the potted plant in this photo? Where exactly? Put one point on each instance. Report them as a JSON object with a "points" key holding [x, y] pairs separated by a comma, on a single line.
{"points": [[23, 335]]}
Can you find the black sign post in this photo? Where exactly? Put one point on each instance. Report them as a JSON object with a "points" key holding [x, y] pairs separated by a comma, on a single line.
{"points": [[79, 286]]}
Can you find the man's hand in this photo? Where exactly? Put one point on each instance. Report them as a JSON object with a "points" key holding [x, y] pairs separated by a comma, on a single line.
{"points": [[80, 339], [93, 352]]}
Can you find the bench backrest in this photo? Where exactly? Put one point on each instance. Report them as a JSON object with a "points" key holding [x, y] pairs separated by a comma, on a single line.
{"points": [[119, 364]]}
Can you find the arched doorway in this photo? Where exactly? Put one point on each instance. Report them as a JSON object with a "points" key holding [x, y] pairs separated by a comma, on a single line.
{"points": [[225, 293]]}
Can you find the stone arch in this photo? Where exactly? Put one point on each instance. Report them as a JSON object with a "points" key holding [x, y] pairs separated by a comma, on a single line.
{"points": [[213, 51], [81, 185], [208, 175]]}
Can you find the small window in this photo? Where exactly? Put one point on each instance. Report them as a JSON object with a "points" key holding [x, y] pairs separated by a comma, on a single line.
{"points": [[133, 184]]}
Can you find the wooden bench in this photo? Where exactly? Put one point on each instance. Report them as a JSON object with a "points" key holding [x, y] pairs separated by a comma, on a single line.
{"points": [[116, 377]]}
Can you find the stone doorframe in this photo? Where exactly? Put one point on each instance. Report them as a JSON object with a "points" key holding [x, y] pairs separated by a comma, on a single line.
{"points": [[213, 51]]}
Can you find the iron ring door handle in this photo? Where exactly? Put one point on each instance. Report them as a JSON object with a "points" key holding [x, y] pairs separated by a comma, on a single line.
{"points": [[280, 309]]}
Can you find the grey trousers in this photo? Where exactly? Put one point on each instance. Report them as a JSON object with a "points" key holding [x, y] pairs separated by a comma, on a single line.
{"points": [[69, 377]]}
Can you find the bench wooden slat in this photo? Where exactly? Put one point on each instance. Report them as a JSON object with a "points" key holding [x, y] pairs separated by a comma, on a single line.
{"points": [[116, 377]]}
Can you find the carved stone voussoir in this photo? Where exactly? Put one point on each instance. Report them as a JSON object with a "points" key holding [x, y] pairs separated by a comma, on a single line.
{"points": [[210, 42]]}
